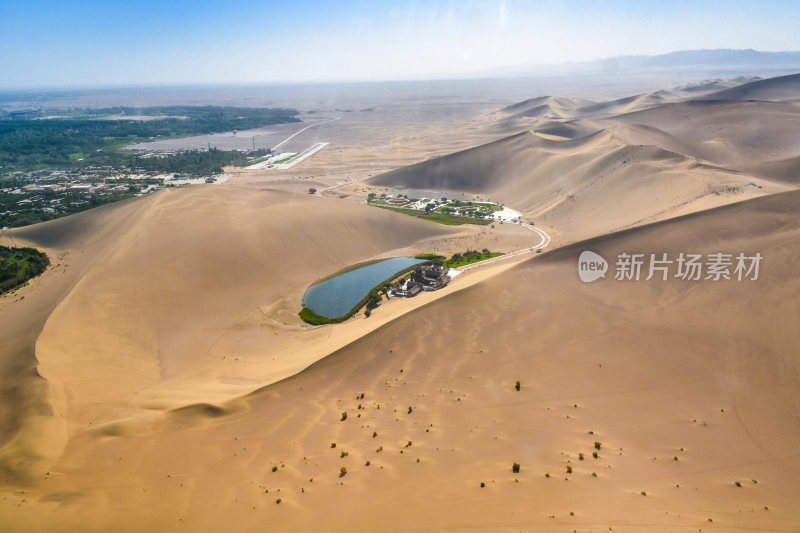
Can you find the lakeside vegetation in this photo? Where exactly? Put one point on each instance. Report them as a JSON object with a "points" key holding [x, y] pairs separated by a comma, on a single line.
{"points": [[374, 298], [371, 300], [470, 256], [459, 259], [18, 265]]}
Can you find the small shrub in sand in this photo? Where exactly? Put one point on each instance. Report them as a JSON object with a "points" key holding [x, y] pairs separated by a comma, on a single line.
{"points": [[278, 500], [515, 468], [342, 472], [344, 416], [569, 469], [517, 385], [333, 445], [598, 445], [274, 468], [344, 454]]}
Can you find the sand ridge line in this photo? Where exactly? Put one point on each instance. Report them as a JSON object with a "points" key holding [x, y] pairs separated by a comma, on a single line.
{"points": [[195, 387]]}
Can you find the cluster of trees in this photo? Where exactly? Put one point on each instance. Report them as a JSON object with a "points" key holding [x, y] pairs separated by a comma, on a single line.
{"points": [[88, 139], [373, 300], [13, 216], [18, 265], [470, 256], [13, 181], [193, 162]]}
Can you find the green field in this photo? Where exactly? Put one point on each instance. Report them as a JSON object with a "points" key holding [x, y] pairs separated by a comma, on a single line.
{"points": [[88, 137], [440, 218], [459, 260], [18, 265], [469, 257]]}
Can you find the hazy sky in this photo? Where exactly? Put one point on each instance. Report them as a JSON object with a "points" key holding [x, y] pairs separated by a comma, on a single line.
{"points": [[121, 42]]}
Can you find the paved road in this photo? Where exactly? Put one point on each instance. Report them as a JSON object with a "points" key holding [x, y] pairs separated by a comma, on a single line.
{"points": [[290, 137], [545, 240]]}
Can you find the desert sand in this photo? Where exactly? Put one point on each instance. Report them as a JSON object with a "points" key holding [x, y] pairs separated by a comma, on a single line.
{"points": [[156, 377]]}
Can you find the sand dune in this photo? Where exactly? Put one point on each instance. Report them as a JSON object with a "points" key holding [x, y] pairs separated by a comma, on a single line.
{"points": [[779, 89], [748, 130], [546, 107], [786, 170], [685, 154], [159, 364], [716, 126], [653, 371], [571, 129], [546, 113], [142, 291], [709, 86], [31, 437], [626, 105], [601, 182]]}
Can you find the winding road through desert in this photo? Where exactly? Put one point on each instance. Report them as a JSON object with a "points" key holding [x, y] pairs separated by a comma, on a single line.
{"points": [[542, 244]]}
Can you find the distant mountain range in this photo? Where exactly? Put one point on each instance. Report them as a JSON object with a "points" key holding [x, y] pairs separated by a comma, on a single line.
{"points": [[692, 60]]}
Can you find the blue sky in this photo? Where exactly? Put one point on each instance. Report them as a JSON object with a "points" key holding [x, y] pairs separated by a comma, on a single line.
{"points": [[90, 43]]}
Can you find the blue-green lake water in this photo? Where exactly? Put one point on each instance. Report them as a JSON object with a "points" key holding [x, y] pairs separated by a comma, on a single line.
{"points": [[336, 296]]}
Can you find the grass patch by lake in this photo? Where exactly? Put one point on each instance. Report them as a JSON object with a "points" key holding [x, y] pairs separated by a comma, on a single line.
{"points": [[465, 259], [459, 259], [18, 265], [430, 257]]}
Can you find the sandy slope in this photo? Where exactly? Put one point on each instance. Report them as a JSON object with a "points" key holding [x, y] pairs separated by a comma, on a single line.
{"points": [[782, 88], [548, 111], [705, 372], [589, 168], [30, 436], [748, 131], [590, 185], [142, 291], [189, 298]]}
